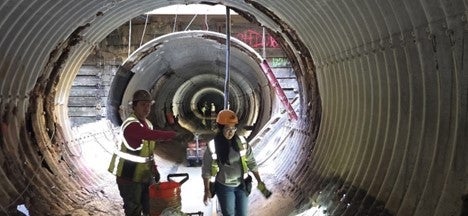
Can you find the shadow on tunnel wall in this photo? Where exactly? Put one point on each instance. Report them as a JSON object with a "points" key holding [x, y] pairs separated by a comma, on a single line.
{"points": [[117, 90]]}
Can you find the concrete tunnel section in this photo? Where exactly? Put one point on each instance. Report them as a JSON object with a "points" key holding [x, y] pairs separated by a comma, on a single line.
{"points": [[386, 135], [182, 68]]}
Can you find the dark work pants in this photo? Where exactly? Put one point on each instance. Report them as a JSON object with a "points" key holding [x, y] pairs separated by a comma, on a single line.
{"points": [[135, 197]]}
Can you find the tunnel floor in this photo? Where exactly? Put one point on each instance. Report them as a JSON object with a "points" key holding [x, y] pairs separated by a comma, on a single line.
{"points": [[191, 192], [170, 159]]}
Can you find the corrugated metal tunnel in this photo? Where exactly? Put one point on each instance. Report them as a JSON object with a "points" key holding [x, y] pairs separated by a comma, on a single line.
{"points": [[183, 68], [382, 125]]}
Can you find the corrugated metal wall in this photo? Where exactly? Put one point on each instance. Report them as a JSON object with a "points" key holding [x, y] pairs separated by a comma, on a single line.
{"points": [[391, 76]]}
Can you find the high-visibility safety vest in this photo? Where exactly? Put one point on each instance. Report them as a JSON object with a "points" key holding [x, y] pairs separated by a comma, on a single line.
{"points": [[133, 163], [242, 144]]}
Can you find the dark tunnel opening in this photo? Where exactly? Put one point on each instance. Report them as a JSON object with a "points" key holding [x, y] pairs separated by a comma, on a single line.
{"points": [[209, 102]]}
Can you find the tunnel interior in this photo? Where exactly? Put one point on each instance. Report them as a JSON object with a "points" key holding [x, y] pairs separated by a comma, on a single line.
{"points": [[382, 87], [184, 71]]}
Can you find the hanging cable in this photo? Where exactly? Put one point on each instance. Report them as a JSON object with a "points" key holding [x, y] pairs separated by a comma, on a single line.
{"points": [[206, 22], [175, 22], [190, 23], [129, 36], [228, 51], [175, 19], [144, 29], [264, 42]]}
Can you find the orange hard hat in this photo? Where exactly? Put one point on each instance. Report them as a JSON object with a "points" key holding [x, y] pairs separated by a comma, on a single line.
{"points": [[226, 117]]}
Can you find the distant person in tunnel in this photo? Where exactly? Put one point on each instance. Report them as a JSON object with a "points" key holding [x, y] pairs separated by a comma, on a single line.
{"points": [[133, 162], [225, 168], [205, 110], [213, 125]]}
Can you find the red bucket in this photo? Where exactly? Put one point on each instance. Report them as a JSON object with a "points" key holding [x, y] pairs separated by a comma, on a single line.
{"points": [[166, 194], [164, 190]]}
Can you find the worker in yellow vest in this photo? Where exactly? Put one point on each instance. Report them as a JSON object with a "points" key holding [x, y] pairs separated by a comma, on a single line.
{"points": [[225, 168], [133, 162]]}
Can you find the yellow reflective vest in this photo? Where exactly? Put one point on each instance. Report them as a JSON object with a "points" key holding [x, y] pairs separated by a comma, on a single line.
{"points": [[133, 163], [242, 145]]}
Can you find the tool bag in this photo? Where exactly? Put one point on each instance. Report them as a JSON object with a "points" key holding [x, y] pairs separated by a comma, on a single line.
{"points": [[164, 195]]}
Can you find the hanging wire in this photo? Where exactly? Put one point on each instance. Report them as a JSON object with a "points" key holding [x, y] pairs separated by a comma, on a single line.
{"points": [[175, 22], [129, 36], [228, 57], [195, 16], [206, 22], [103, 146], [263, 43], [175, 19], [144, 29]]}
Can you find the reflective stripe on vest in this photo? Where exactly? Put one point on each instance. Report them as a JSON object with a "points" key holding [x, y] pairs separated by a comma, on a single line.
{"points": [[242, 151], [133, 163], [134, 158], [131, 119]]}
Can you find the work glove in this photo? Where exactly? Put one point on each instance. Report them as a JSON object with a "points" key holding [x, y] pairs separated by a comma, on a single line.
{"points": [[262, 188]]}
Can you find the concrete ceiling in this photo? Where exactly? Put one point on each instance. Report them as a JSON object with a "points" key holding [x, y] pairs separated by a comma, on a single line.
{"points": [[383, 85]]}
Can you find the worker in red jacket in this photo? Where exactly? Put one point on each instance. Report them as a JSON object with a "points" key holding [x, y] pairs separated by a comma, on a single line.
{"points": [[133, 162]]}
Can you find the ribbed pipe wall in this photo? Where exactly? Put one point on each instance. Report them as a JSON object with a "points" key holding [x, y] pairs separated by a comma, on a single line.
{"points": [[387, 93], [393, 116]]}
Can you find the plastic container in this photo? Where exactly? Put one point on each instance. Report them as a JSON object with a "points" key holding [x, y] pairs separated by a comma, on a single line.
{"points": [[165, 195]]}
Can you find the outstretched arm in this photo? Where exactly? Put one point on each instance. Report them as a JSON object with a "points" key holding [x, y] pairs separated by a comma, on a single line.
{"points": [[136, 130]]}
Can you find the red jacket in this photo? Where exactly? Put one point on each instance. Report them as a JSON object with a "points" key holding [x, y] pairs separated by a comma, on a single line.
{"points": [[134, 133]]}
